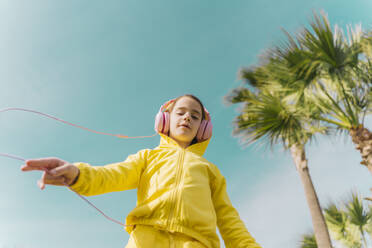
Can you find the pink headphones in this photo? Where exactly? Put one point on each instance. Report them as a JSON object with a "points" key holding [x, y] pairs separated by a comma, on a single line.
{"points": [[162, 123]]}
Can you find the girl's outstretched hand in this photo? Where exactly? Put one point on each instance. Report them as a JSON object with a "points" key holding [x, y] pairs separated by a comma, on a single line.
{"points": [[56, 171]]}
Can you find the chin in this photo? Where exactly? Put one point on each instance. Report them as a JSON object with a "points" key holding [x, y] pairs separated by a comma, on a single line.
{"points": [[183, 138]]}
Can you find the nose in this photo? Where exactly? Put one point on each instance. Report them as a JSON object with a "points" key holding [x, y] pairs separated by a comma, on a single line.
{"points": [[187, 117]]}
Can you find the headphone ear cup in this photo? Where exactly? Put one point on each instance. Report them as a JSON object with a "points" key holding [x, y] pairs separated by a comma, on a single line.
{"points": [[159, 123], [166, 118], [208, 130], [162, 122], [204, 131], [200, 132], [205, 128]]}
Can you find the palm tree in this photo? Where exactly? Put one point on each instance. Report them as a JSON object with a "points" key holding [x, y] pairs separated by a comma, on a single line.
{"points": [[321, 74], [333, 71], [337, 69], [341, 228], [349, 222], [345, 67], [269, 114]]}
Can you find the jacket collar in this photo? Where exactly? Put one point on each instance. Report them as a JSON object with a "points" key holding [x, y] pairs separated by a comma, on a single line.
{"points": [[198, 148]]}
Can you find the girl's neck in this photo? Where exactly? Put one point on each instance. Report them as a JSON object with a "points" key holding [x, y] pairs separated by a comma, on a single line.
{"points": [[184, 145]]}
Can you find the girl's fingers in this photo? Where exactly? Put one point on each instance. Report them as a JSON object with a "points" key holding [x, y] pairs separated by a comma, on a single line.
{"points": [[41, 164], [59, 171], [49, 179], [41, 182], [28, 168], [45, 162]]}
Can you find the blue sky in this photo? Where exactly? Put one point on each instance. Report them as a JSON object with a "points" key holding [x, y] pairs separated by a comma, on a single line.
{"points": [[109, 66]]}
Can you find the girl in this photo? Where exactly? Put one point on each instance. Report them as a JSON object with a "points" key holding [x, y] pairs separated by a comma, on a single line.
{"points": [[181, 196]]}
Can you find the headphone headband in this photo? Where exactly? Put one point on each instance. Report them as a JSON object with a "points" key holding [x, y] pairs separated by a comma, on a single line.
{"points": [[166, 105]]}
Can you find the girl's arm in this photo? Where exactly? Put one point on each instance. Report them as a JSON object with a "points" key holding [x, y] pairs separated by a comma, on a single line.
{"points": [[95, 180], [231, 227]]}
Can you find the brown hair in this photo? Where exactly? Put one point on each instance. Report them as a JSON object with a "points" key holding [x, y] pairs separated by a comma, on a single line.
{"points": [[170, 109]]}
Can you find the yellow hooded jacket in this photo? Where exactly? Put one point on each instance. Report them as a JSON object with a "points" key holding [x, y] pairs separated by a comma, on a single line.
{"points": [[177, 190]]}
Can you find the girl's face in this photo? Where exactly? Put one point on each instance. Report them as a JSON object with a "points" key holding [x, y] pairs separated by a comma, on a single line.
{"points": [[185, 120]]}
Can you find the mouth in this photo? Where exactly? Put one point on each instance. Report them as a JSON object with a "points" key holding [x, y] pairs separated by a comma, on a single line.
{"points": [[186, 126]]}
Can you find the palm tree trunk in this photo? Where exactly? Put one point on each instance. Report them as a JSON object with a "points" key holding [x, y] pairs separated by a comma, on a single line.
{"points": [[320, 228], [363, 236], [362, 138]]}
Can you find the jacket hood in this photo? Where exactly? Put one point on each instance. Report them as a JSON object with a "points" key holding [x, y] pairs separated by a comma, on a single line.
{"points": [[198, 148]]}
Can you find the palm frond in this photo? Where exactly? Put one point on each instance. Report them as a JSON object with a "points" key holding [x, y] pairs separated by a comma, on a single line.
{"points": [[268, 116], [308, 241], [341, 227], [358, 214]]}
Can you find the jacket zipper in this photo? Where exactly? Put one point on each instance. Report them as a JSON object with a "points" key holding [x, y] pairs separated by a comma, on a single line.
{"points": [[178, 179]]}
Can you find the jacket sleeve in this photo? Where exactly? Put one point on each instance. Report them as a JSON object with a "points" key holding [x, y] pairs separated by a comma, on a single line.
{"points": [[231, 227], [125, 175]]}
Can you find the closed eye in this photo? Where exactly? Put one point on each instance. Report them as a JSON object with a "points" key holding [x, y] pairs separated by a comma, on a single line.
{"points": [[193, 116]]}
